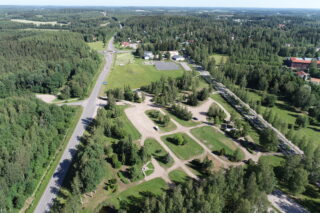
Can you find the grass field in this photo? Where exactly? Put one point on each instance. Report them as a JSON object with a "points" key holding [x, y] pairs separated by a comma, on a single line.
{"points": [[274, 161], [38, 23], [156, 150], [170, 127], [128, 126], [98, 45], [286, 113], [185, 123], [136, 74], [215, 140], [252, 132], [124, 59], [219, 58], [178, 176], [150, 169], [53, 163], [186, 151], [155, 186]]}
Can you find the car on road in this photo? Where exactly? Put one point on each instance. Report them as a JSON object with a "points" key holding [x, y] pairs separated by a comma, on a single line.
{"points": [[104, 83], [156, 128], [195, 118]]}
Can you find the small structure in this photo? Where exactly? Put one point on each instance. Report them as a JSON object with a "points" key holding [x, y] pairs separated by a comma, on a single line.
{"points": [[148, 55], [302, 63], [315, 81], [305, 76], [178, 58], [125, 44]]}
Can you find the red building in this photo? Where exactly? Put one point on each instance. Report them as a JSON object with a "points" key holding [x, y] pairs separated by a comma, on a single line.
{"points": [[302, 63]]}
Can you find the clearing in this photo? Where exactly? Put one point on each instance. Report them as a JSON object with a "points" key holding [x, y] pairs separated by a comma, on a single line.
{"points": [[178, 176], [38, 23], [97, 45]]}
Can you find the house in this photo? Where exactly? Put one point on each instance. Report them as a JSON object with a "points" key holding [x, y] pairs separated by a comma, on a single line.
{"points": [[302, 63], [178, 58], [315, 81], [305, 76], [125, 44], [148, 55]]}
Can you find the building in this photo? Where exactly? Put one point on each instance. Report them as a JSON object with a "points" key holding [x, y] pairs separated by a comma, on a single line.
{"points": [[305, 76], [125, 44], [315, 81], [302, 63], [148, 55], [178, 58]]}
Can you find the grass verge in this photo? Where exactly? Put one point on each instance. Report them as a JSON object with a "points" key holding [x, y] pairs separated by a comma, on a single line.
{"points": [[157, 151], [178, 176], [170, 127], [128, 126]]}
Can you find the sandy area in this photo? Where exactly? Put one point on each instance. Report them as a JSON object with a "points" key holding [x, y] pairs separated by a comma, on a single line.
{"points": [[285, 204], [46, 98]]}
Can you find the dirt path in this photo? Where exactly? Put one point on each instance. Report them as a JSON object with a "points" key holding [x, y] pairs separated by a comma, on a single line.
{"points": [[285, 204]]}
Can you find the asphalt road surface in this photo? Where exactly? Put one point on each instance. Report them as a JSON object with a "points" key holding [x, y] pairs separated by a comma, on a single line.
{"points": [[90, 106]]}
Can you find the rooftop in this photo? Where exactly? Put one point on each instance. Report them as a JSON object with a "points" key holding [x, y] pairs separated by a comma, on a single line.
{"points": [[304, 60]]}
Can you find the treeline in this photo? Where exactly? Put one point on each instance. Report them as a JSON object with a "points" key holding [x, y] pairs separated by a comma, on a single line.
{"points": [[44, 62], [30, 133]]}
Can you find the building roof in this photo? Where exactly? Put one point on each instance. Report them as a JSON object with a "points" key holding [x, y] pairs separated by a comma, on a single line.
{"points": [[304, 60], [302, 73], [315, 80], [125, 43], [177, 57]]}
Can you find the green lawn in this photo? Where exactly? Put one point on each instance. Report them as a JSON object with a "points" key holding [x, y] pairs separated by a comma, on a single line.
{"points": [[137, 74], [128, 126], [185, 123], [252, 132], [124, 59], [98, 45], [219, 58], [170, 127], [150, 169], [157, 151], [274, 161], [186, 151], [178, 176], [286, 113], [215, 140], [155, 186]]}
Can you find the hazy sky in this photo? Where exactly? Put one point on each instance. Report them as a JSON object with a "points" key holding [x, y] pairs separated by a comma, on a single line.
{"points": [[179, 3]]}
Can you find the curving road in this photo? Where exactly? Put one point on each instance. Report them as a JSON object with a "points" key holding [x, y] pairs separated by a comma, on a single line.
{"points": [[90, 107]]}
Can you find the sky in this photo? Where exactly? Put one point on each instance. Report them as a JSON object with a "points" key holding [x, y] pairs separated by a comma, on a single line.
{"points": [[176, 3]]}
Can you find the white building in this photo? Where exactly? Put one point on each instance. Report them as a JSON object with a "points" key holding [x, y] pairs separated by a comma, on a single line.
{"points": [[148, 55], [178, 58]]}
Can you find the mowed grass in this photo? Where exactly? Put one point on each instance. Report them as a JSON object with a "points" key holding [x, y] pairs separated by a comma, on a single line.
{"points": [[178, 176], [157, 151], [274, 161], [186, 151], [124, 59], [170, 127], [98, 45], [137, 74], [252, 132], [215, 140], [220, 58], [286, 113], [155, 186], [185, 123], [128, 126]]}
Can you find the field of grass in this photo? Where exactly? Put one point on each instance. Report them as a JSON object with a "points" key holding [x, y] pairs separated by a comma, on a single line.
{"points": [[286, 113], [124, 59], [185, 123], [137, 74], [155, 186], [38, 23], [150, 169], [170, 127], [215, 140], [178, 176], [219, 58], [186, 151], [53, 163], [156, 150], [274, 161], [128, 126], [97, 45], [252, 132]]}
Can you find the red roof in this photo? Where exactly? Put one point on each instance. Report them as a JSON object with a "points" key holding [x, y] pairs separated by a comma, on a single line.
{"points": [[315, 80], [301, 73], [297, 60], [125, 43]]}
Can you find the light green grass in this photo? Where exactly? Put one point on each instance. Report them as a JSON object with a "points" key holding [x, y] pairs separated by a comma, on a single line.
{"points": [[186, 151], [38, 23], [178, 176], [137, 75], [124, 59], [128, 126], [54, 163], [156, 150], [215, 140], [219, 58], [286, 113], [170, 127], [155, 186], [274, 161], [251, 132], [97, 45], [185, 123], [150, 169]]}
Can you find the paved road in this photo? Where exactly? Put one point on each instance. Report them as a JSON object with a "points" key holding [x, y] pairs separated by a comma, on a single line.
{"points": [[90, 106]]}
